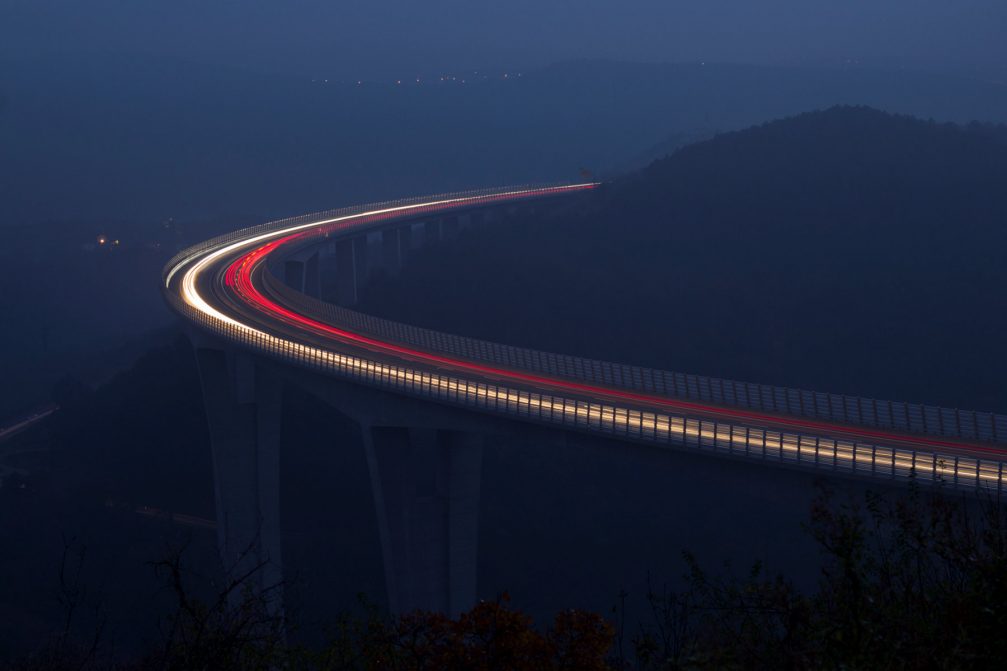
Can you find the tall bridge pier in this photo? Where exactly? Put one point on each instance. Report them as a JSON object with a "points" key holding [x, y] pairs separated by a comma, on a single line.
{"points": [[424, 460], [426, 484], [243, 407], [302, 272], [424, 469]]}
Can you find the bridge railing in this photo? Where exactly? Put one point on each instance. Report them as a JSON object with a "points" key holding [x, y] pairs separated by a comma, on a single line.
{"points": [[625, 423], [897, 416], [787, 447], [304, 219]]}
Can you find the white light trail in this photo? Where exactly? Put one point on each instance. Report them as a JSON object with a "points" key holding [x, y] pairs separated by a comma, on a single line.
{"points": [[603, 418]]}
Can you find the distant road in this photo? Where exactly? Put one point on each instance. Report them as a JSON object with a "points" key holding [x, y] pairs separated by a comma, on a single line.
{"points": [[27, 421]]}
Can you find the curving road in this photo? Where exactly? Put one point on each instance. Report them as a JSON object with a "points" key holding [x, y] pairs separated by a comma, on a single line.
{"points": [[224, 286]]}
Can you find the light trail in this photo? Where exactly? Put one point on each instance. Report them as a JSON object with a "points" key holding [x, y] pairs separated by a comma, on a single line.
{"points": [[731, 429]]}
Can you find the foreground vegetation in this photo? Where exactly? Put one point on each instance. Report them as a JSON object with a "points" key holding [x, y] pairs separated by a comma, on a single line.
{"points": [[910, 581]]}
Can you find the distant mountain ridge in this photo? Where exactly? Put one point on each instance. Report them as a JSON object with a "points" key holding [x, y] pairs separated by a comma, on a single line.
{"points": [[832, 161], [122, 136]]}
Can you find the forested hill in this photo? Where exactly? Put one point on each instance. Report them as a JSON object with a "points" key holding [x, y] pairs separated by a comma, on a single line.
{"points": [[845, 161], [846, 250]]}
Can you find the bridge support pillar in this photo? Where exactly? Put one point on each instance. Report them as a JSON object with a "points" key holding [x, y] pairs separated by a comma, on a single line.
{"points": [[346, 273], [391, 252], [362, 261], [243, 412], [293, 274], [312, 276], [326, 270], [426, 490], [302, 273], [431, 233], [450, 227]]}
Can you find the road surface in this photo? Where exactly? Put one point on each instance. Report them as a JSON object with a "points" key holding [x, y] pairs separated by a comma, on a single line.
{"points": [[223, 288]]}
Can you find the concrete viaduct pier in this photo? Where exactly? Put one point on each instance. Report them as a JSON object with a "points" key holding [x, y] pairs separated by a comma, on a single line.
{"points": [[424, 467], [424, 462], [243, 404]]}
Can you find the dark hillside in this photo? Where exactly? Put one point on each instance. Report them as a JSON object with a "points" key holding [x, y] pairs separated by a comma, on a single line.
{"points": [[852, 162], [846, 250]]}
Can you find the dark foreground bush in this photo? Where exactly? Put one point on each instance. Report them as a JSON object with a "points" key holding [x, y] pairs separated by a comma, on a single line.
{"points": [[909, 581]]}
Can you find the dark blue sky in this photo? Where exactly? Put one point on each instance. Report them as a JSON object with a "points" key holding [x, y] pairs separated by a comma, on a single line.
{"points": [[396, 37]]}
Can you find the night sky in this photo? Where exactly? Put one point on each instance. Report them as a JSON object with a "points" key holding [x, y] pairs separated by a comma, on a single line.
{"points": [[397, 37]]}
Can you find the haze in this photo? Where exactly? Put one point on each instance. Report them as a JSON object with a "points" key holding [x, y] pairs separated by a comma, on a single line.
{"points": [[700, 365]]}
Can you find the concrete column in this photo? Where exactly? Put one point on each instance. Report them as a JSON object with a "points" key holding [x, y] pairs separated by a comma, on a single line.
{"points": [[431, 233], [346, 273], [406, 242], [293, 274], [243, 413], [449, 228], [301, 273], [312, 276], [361, 261], [326, 270], [391, 254], [426, 491]]}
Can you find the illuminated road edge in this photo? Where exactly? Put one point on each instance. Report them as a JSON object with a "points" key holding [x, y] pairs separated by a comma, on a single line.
{"points": [[630, 421]]}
